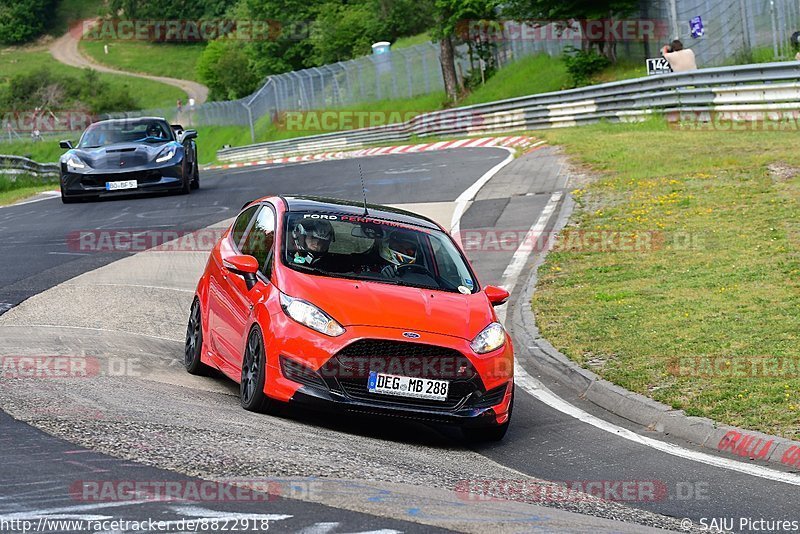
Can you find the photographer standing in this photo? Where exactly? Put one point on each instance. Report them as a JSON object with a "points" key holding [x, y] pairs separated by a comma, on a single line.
{"points": [[680, 59]]}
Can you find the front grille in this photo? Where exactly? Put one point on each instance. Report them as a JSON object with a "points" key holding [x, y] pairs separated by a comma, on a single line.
{"points": [[351, 367]]}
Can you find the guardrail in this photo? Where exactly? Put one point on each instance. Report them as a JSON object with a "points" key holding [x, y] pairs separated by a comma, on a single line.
{"points": [[753, 89], [15, 165]]}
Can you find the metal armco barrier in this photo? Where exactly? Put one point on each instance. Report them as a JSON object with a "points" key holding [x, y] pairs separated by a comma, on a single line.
{"points": [[751, 89], [16, 165]]}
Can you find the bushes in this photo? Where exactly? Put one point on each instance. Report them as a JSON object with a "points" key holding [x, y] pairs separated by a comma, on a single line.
{"points": [[225, 68], [42, 89], [23, 20], [582, 64]]}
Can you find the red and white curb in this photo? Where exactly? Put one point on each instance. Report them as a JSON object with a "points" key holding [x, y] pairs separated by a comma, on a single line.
{"points": [[520, 141]]}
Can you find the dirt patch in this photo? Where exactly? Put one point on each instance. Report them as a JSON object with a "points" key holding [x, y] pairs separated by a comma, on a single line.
{"points": [[782, 172]]}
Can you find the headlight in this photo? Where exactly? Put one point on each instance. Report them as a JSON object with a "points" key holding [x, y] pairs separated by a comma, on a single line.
{"points": [[309, 315], [491, 338], [74, 163], [166, 155]]}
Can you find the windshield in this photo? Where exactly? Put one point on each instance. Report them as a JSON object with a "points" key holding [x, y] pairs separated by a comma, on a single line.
{"points": [[135, 131], [363, 248]]}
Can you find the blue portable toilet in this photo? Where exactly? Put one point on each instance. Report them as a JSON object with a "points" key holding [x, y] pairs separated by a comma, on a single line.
{"points": [[381, 52]]}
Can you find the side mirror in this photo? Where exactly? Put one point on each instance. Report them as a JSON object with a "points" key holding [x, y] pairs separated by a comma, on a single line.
{"points": [[65, 144], [245, 266], [496, 295], [189, 134]]}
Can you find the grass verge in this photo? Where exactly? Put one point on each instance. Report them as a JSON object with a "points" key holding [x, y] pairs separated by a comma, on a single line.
{"points": [[706, 317], [23, 187], [148, 94], [158, 59]]}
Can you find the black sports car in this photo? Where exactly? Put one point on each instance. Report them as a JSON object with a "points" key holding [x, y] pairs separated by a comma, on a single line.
{"points": [[125, 156]]}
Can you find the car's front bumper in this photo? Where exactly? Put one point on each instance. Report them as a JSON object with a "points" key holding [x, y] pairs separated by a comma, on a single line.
{"points": [[327, 373], [149, 180]]}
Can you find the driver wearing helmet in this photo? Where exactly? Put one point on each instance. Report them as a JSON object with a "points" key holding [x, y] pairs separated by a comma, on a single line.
{"points": [[399, 249], [311, 239], [155, 130]]}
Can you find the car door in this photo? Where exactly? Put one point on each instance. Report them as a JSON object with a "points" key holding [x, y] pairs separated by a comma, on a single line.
{"points": [[220, 305], [235, 317]]}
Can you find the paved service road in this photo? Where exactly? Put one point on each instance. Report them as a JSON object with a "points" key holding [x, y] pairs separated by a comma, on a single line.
{"points": [[159, 416]]}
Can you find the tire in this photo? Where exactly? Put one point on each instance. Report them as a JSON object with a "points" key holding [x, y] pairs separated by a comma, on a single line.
{"points": [[194, 343], [251, 385], [195, 184], [186, 182], [492, 433], [67, 200]]}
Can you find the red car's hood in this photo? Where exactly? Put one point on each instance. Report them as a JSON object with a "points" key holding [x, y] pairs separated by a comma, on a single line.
{"points": [[353, 302]]}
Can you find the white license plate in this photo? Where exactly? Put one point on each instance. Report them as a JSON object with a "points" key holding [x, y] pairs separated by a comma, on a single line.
{"points": [[125, 184], [406, 386]]}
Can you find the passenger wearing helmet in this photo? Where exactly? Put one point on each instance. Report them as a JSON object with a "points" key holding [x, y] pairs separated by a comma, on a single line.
{"points": [[398, 248], [311, 239]]}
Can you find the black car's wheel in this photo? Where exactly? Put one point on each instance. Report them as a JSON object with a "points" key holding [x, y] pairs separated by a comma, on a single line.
{"points": [[254, 373], [67, 200], [194, 342], [186, 179], [490, 433], [195, 177]]}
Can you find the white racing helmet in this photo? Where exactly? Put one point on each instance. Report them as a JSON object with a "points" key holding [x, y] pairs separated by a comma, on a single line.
{"points": [[399, 248]]}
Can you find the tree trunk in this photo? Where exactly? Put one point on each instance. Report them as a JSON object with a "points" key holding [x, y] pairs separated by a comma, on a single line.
{"points": [[448, 62]]}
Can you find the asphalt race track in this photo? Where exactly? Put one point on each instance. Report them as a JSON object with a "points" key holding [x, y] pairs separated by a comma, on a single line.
{"points": [[373, 475]]}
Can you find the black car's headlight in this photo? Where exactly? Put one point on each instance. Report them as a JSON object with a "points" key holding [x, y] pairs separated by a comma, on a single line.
{"points": [[167, 154], [75, 164]]}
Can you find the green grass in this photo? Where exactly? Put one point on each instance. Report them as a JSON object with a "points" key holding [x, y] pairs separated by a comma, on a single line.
{"points": [[46, 151], [529, 75], [148, 94], [23, 187], [720, 285], [412, 40], [158, 59]]}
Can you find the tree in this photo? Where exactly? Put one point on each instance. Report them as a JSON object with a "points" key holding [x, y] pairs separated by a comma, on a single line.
{"points": [[226, 70], [23, 20], [449, 16], [582, 11]]}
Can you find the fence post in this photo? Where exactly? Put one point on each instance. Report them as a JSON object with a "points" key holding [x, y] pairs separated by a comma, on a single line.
{"points": [[745, 28], [774, 28], [673, 11], [250, 121]]}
